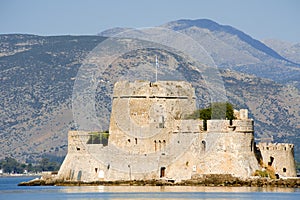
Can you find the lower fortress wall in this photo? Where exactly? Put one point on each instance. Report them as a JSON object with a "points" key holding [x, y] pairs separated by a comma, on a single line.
{"points": [[206, 153]]}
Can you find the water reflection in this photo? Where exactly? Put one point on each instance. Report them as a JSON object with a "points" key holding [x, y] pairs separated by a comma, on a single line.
{"points": [[170, 189], [177, 192]]}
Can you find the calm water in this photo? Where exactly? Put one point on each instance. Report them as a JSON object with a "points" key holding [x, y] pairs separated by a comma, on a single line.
{"points": [[10, 190]]}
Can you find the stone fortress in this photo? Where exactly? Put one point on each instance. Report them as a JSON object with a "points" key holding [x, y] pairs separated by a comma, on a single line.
{"points": [[151, 138]]}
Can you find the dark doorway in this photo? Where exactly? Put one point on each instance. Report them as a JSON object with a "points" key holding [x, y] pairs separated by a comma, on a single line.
{"points": [[79, 175], [162, 172]]}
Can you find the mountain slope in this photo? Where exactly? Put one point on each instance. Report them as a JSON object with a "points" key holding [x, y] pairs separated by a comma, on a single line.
{"points": [[287, 49], [37, 77], [181, 25], [233, 49]]}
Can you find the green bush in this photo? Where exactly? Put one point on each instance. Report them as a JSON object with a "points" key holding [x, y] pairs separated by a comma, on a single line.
{"points": [[261, 173], [220, 110]]}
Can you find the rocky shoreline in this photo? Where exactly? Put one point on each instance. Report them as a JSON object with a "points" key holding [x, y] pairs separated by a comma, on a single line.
{"points": [[204, 180]]}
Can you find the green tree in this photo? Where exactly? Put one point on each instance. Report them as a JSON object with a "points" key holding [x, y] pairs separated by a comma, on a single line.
{"points": [[46, 165], [11, 165], [219, 110]]}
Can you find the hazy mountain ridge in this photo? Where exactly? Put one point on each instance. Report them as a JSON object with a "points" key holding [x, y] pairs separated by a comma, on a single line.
{"points": [[212, 26], [287, 49], [37, 77], [233, 49]]}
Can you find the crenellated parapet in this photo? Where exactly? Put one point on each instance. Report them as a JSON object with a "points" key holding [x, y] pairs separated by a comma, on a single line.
{"points": [[246, 125], [276, 146], [242, 126], [160, 89]]}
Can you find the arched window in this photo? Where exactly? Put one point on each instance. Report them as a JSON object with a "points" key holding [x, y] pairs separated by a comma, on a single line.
{"points": [[284, 169], [203, 145], [252, 145], [271, 161]]}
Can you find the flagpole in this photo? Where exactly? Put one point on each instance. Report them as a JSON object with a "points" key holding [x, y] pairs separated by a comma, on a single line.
{"points": [[156, 65]]}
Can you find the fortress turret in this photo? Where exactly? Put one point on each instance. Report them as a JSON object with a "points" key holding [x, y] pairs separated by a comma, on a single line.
{"points": [[280, 156]]}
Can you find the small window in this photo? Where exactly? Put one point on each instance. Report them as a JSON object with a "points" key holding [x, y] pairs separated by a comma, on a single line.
{"points": [[135, 140], [252, 145], [203, 145], [284, 169]]}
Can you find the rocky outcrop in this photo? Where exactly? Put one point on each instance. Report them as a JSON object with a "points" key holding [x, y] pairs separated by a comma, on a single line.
{"points": [[219, 180]]}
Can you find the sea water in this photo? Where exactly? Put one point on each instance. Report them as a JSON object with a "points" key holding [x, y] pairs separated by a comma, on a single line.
{"points": [[10, 190]]}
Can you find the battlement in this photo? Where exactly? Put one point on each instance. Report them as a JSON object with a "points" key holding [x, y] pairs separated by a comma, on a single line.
{"points": [[275, 146], [245, 126], [160, 89], [241, 114]]}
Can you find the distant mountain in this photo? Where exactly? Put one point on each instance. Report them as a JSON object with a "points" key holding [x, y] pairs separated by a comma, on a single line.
{"points": [[38, 73], [220, 30], [233, 49], [289, 50]]}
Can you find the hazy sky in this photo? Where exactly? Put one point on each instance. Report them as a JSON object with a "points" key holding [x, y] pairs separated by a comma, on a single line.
{"points": [[278, 19]]}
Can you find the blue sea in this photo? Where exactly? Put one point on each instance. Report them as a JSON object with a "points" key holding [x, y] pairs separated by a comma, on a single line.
{"points": [[10, 190]]}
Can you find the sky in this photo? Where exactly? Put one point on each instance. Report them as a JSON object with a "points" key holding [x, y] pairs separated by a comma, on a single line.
{"points": [[261, 19]]}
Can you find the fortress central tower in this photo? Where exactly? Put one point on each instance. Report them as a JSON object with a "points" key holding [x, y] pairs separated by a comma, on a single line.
{"points": [[146, 115]]}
